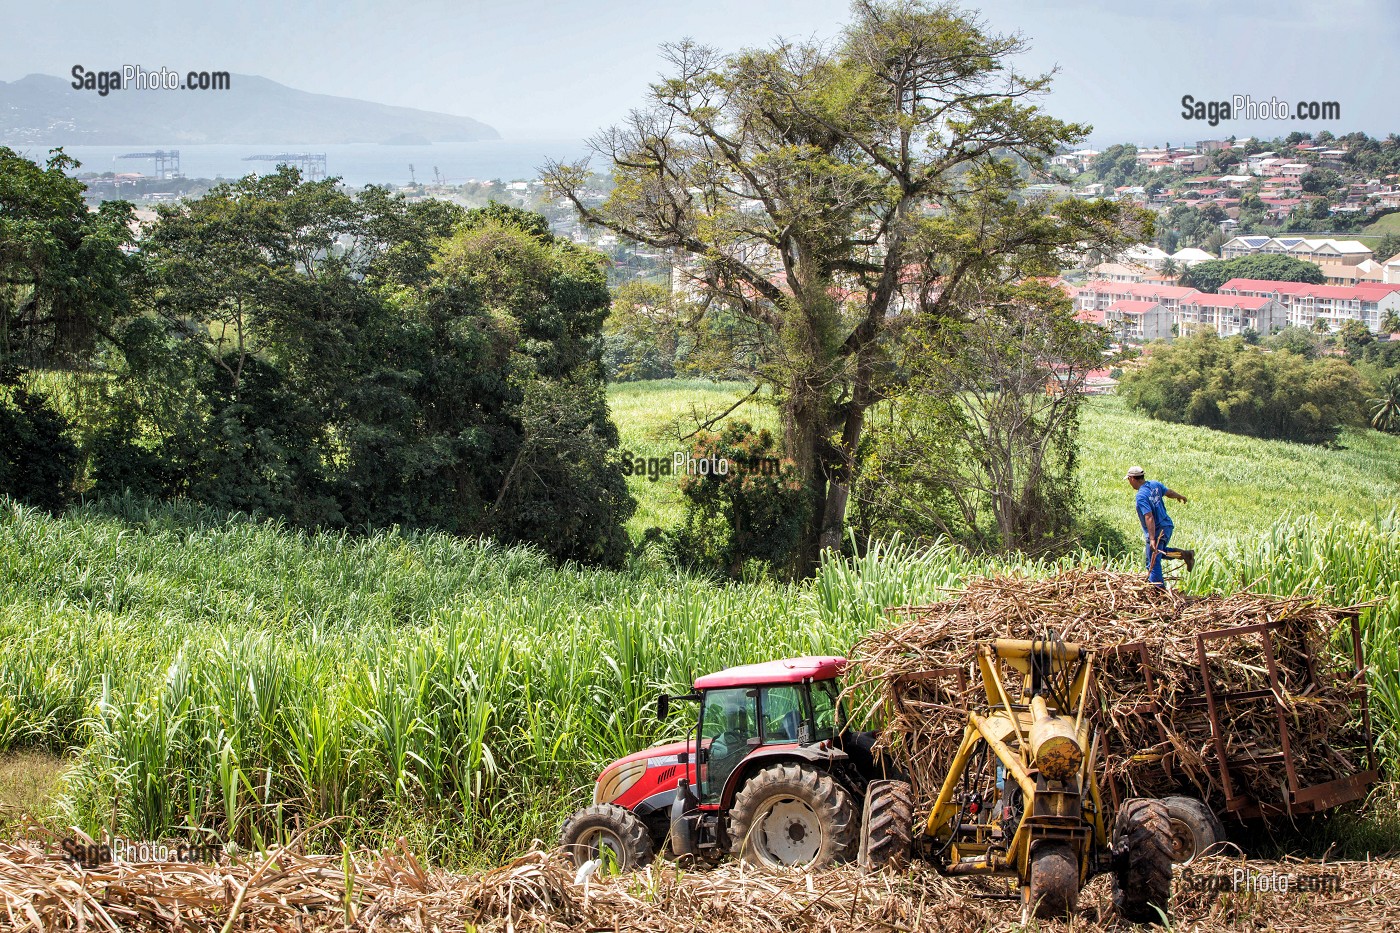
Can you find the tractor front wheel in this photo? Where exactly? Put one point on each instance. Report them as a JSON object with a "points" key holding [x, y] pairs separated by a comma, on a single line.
{"points": [[614, 835], [792, 816], [886, 826], [1142, 848]]}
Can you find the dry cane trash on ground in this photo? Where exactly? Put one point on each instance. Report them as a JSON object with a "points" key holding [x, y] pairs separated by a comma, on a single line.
{"points": [[1146, 753], [42, 891]]}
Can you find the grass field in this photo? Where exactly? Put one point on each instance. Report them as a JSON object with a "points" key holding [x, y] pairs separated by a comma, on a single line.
{"points": [[185, 669], [1390, 223], [1237, 485]]}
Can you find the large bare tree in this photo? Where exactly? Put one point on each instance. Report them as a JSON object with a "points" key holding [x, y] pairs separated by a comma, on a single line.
{"points": [[827, 192]]}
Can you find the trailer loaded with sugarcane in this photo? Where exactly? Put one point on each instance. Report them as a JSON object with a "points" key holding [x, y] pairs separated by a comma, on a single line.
{"points": [[1043, 730]]}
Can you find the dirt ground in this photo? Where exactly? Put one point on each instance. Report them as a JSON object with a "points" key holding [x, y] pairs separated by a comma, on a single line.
{"points": [[41, 889]]}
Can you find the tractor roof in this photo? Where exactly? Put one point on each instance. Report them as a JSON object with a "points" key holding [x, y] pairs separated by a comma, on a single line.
{"points": [[786, 671]]}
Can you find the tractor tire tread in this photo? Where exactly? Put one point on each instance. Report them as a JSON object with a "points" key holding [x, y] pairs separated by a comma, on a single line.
{"points": [[828, 800], [1054, 881], [887, 826], [1142, 840], [629, 829]]}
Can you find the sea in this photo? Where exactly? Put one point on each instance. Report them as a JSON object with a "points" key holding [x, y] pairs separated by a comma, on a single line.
{"points": [[356, 164]]}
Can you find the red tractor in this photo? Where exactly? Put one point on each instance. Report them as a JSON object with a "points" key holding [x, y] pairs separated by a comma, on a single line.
{"points": [[770, 773]]}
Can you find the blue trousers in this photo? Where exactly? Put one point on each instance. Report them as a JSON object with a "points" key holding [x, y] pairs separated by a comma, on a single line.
{"points": [[1154, 561]]}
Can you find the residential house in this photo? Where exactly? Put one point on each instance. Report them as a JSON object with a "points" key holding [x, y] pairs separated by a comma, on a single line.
{"points": [[1391, 271], [1348, 252], [1338, 273], [1188, 257], [1121, 272]]}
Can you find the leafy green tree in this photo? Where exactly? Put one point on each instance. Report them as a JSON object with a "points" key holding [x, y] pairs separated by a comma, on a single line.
{"points": [[1209, 276], [643, 332], [357, 360], [984, 448], [64, 271], [1390, 323], [794, 182], [1388, 247], [1355, 337], [1319, 181], [1297, 340]]}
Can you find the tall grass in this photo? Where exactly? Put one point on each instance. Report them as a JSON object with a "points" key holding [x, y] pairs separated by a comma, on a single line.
{"points": [[217, 673]]}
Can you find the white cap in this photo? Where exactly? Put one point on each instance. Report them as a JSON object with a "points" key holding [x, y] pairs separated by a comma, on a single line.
{"points": [[1135, 472]]}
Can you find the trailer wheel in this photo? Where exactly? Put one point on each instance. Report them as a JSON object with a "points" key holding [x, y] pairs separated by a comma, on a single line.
{"points": [[1195, 828], [1053, 891], [791, 816], [886, 826], [608, 832], [1142, 848]]}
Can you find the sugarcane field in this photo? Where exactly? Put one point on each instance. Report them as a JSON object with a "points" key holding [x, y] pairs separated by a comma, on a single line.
{"points": [[853, 465]]}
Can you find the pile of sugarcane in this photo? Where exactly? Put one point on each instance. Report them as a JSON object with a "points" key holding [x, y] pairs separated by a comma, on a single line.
{"points": [[1156, 730]]}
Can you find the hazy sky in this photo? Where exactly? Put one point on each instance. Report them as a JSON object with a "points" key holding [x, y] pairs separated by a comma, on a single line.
{"points": [[555, 69]]}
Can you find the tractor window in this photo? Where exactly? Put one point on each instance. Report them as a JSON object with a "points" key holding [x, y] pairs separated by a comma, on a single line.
{"points": [[728, 722], [783, 713], [826, 710]]}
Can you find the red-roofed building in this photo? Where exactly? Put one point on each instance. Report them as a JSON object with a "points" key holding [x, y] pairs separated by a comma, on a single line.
{"points": [[1180, 306], [1304, 304], [1233, 314], [1138, 320]]}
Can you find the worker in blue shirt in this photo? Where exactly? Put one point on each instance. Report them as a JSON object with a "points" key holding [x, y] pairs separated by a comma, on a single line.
{"points": [[1156, 523]]}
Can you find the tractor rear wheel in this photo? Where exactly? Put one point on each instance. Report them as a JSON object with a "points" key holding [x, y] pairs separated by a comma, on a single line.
{"points": [[1053, 891], [1142, 848], [1195, 828], [886, 826], [605, 831], [792, 816]]}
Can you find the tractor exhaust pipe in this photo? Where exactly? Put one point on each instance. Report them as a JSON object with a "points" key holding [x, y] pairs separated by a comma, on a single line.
{"points": [[682, 830]]}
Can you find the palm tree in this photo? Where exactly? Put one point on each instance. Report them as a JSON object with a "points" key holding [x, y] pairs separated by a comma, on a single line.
{"points": [[1170, 269], [1390, 324], [1385, 415]]}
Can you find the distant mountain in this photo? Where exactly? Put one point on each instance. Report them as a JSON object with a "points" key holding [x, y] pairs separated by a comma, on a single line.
{"points": [[47, 110]]}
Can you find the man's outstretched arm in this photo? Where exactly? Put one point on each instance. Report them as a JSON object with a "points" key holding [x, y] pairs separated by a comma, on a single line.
{"points": [[1173, 494]]}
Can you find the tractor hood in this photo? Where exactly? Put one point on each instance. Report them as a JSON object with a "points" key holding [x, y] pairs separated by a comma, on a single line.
{"points": [[640, 777]]}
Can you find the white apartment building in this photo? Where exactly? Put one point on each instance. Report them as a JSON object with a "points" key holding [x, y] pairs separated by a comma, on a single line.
{"points": [[1304, 304]]}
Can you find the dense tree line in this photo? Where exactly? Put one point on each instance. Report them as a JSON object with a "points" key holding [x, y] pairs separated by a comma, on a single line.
{"points": [[1229, 385], [335, 360]]}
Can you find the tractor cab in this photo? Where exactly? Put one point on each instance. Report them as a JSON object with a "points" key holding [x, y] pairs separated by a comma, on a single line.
{"points": [[762, 709], [768, 771]]}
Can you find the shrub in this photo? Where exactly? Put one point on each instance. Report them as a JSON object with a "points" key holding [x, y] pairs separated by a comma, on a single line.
{"points": [[1230, 386], [37, 460], [752, 513]]}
